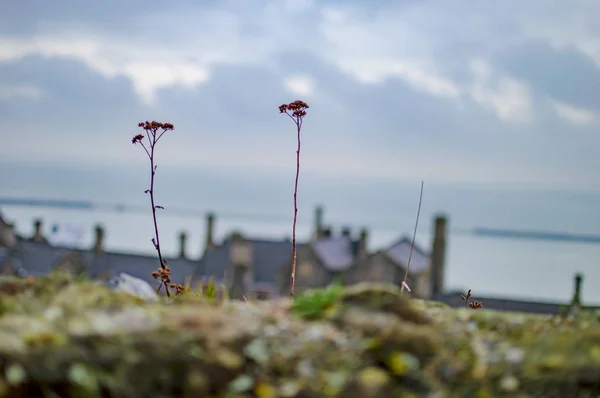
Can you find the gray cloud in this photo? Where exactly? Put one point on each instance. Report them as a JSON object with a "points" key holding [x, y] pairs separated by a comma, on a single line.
{"points": [[397, 89], [564, 74]]}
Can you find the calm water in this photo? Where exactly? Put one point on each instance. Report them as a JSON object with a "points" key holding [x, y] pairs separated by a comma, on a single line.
{"points": [[261, 205]]}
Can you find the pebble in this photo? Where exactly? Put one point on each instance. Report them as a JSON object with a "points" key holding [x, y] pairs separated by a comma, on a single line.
{"points": [[132, 285]]}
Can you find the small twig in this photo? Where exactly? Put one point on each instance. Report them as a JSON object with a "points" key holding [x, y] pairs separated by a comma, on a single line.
{"points": [[404, 284]]}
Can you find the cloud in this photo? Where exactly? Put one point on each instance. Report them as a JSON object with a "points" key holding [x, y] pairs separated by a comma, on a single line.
{"points": [[568, 25], [573, 114], [300, 85], [148, 78], [509, 98], [16, 91], [364, 49], [148, 72], [396, 89]]}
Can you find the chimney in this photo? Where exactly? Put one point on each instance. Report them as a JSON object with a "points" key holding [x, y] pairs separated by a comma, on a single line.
{"points": [[240, 274], [319, 230], [37, 235], [346, 232], [210, 226], [182, 239], [438, 256], [576, 300], [362, 243], [240, 250], [98, 244], [8, 237]]}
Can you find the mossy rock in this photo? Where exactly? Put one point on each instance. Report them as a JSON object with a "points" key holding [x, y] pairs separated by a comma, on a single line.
{"points": [[64, 337]]}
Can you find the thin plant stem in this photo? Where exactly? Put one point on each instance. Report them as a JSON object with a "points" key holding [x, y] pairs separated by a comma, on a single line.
{"points": [[412, 245], [157, 243], [299, 125]]}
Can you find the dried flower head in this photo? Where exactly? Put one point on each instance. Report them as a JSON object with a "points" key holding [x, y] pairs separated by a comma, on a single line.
{"points": [[295, 109], [462, 296], [137, 138], [476, 304], [154, 125], [151, 129], [472, 304], [179, 289]]}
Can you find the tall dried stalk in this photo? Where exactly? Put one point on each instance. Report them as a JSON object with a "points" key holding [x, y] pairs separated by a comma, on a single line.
{"points": [[412, 245], [153, 135], [298, 111]]}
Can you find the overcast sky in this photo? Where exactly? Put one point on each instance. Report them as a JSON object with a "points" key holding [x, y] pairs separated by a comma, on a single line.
{"points": [[461, 91]]}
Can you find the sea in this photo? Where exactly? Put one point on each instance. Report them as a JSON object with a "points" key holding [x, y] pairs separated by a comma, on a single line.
{"points": [[260, 204]]}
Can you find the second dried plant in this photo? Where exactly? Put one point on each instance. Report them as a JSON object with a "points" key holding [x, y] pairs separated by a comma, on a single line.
{"points": [[296, 111]]}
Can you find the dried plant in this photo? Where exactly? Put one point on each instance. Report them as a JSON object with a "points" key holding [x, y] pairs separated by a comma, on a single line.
{"points": [[412, 245], [474, 303], [296, 111], [154, 131]]}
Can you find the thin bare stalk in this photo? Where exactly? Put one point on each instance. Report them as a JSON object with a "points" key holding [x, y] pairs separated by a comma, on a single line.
{"points": [[295, 214], [156, 239], [412, 245]]}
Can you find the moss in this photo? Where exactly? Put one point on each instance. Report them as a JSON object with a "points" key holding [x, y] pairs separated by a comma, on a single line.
{"points": [[382, 297], [315, 303], [65, 337]]}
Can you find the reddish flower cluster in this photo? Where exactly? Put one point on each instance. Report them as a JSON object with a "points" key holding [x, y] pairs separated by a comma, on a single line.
{"points": [[472, 304], [137, 138], [476, 304], [151, 130], [297, 109], [155, 126]]}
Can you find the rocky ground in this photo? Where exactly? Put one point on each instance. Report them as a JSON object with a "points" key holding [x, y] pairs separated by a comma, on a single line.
{"points": [[61, 337]]}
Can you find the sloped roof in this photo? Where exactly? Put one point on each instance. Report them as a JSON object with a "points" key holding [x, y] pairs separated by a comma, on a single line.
{"points": [[399, 252], [40, 259], [267, 256], [141, 266], [75, 259], [336, 253]]}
